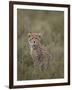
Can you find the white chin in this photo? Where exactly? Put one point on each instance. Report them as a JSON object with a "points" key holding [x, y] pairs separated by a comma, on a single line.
{"points": [[34, 46]]}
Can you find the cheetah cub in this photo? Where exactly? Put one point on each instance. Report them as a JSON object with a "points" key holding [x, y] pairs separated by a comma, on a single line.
{"points": [[38, 52]]}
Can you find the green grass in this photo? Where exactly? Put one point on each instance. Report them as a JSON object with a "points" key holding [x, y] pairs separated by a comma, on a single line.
{"points": [[51, 25]]}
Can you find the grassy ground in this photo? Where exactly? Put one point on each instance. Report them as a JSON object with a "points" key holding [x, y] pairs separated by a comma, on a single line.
{"points": [[51, 25]]}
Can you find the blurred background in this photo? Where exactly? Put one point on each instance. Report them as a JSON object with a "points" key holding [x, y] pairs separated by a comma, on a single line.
{"points": [[51, 25]]}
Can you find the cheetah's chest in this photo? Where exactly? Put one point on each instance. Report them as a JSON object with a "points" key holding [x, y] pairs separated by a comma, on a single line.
{"points": [[36, 54]]}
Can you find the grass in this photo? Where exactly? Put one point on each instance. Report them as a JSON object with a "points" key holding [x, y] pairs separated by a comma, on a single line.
{"points": [[51, 25]]}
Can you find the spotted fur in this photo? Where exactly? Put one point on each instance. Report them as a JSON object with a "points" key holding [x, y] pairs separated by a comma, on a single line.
{"points": [[38, 52]]}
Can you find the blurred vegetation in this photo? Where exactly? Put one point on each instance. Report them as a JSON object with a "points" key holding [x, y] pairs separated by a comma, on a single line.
{"points": [[51, 25]]}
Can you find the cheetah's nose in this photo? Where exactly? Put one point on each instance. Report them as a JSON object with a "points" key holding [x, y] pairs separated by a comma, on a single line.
{"points": [[34, 41]]}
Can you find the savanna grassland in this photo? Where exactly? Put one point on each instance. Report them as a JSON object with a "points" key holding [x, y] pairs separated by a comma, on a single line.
{"points": [[51, 25]]}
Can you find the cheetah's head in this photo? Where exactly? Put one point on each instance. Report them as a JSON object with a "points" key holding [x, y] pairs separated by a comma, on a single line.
{"points": [[34, 39]]}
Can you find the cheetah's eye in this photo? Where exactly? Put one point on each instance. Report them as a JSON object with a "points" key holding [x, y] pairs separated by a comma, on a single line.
{"points": [[35, 38], [32, 38]]}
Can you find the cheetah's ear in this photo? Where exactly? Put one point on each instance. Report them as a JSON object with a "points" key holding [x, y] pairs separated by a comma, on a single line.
{"points": [[40, 34], [29, 34]]}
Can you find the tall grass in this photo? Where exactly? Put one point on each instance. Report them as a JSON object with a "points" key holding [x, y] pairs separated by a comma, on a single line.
{"points": [[51, 25]]}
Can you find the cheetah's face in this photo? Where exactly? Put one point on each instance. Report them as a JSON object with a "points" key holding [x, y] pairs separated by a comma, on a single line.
{"points": [[34, 39]]}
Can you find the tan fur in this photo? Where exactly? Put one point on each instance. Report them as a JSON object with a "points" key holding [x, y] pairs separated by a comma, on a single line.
{"points": [[38, 51]]}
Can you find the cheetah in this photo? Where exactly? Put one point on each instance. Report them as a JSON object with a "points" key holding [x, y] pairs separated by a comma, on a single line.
{"points": [[38, 52]]}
